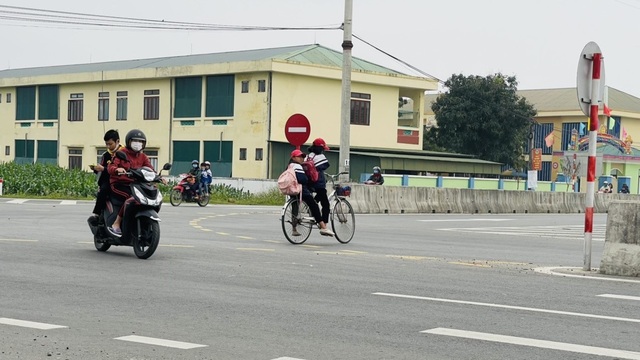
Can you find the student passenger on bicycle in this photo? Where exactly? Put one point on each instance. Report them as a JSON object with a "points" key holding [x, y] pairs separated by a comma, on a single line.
{"points": [[316, 152], [297, 158]]}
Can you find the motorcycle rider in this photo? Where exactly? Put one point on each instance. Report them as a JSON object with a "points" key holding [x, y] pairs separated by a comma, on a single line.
{"points": [[135, 142], [196, 173]]}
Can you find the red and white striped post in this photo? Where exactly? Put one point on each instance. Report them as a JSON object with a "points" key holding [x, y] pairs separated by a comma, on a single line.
{"points": [[591, 164]]}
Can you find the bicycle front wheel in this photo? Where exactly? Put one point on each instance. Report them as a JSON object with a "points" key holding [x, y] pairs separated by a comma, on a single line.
{"points": [[295, 228], [343, 220]]}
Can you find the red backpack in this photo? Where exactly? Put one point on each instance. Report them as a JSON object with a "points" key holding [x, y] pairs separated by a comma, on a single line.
{"points": [[310, 169]]}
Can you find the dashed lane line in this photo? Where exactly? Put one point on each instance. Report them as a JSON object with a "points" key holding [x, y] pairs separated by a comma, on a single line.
{"points": [[160, 342], [30, 324], [545, 344], [623, 297], [18, 240]]}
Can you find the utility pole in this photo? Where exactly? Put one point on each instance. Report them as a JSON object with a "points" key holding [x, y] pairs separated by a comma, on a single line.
{"points": [[345, 113]]}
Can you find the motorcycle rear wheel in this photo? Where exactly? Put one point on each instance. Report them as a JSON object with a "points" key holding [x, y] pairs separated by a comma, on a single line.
{"points": [[176, 197], [146, 237]]}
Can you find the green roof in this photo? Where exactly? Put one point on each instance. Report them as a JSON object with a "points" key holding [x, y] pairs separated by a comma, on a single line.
{"points": [[313, 54]]}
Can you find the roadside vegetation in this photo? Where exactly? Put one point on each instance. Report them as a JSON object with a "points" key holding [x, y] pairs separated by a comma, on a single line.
{"points": [[53, 182]]}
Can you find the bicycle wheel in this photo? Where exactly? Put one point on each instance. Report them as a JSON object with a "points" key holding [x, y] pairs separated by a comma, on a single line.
{"points": [[343, 220], [293, 220]]}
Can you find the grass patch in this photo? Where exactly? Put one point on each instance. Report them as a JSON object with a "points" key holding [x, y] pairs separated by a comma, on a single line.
{"points": [[46, 181]]}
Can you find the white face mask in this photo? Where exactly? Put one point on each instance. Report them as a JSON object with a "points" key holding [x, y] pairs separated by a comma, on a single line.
{"points": [[136, 146]]}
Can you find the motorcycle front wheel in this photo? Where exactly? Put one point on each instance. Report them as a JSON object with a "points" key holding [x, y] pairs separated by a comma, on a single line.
{"points": [[146, 238], [176, 197]]}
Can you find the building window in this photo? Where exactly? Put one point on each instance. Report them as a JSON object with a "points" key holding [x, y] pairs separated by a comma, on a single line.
{"points": [[153, 157], [243, 153], [245, 86], [360, 108], [220, 95], [151, 104], [121, 105], [8, 97], [103, 106], [26, 103], [262, 85], [75, 158], [7, 150], [99, 152], [48, 102], [259, 154], [76, 107]]}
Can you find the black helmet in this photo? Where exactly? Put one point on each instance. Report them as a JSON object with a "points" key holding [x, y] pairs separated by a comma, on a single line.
{"points": [[135, 134]]}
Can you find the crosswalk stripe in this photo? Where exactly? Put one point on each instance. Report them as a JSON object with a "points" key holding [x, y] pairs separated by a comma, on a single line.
{"points": [[30, 324], [160, 342], [545, 344]]}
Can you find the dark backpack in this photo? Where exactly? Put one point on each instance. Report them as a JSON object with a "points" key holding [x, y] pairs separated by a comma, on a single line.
{"points": [[310, 169]]}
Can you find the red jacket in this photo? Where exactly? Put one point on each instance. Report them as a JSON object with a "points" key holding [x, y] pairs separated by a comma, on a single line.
{"points": [[135, 160]]}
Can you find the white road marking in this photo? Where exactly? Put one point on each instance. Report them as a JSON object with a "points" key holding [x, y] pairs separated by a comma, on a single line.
{"points": [[465, 220], [545, 344], [624, 297], [30, 324], [255, 249], [510, 307], [550, 271], [68, 202], [19, 240], [17, 201], [160, 342], [575, 232], [287, 358]]}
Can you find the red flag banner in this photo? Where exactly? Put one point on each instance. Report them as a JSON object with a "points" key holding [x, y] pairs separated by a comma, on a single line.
{"points": [[607, 111]]}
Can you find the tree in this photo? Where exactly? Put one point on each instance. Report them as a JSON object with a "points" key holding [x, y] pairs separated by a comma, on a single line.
{"points": [[482, 116]]}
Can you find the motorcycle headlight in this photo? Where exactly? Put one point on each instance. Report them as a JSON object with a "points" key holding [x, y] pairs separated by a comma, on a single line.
{"points": [[140, 196], [148, 175]]}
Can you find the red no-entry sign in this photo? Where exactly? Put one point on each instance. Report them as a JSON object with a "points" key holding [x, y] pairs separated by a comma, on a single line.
{"points": [[297, 129]]}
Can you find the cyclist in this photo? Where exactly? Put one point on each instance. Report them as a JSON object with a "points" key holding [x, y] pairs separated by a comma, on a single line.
{"points": [[297, 158], [316, 152]]}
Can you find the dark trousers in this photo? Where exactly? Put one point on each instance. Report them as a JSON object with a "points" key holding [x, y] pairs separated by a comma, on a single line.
{"points": [[311, 203], [101, 198], [123, 192], [321, 195]]}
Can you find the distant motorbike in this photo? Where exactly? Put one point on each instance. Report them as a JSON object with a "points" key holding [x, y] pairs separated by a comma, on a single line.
{"points": [[182, 192], [140, 222]]}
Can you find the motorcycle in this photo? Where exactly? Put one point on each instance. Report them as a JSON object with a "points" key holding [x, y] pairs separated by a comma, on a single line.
{"points": [[140, 221], [182, 192]]}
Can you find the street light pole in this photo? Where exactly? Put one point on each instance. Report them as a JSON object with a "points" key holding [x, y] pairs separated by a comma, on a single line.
{"points": [[345, 113]]}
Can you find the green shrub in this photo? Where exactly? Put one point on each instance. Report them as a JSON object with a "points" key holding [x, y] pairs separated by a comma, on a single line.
{"points": [[54, 182]]}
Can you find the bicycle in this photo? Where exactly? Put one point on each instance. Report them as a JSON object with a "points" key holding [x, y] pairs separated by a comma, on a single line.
{"points": [[297, 216]]}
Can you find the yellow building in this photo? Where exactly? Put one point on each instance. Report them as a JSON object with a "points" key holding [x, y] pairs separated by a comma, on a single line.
{"points": [[228, 108]]}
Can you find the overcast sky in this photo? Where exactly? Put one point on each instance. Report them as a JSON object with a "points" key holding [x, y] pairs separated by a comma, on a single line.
{"points": [[537, 41]]}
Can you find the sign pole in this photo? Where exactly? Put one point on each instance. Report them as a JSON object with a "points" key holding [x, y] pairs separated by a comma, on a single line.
{"points": [[591, 163]]}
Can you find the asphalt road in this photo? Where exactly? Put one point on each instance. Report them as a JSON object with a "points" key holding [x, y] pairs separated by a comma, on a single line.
{"points": [[225, 284]]}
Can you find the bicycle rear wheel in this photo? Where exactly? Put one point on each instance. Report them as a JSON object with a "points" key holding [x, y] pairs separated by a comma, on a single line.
{"points": [[343, 220], [294, 220]]}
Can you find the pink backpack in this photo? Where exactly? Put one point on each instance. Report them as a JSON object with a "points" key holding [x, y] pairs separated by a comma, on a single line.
{"points": [[288, 183]]}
